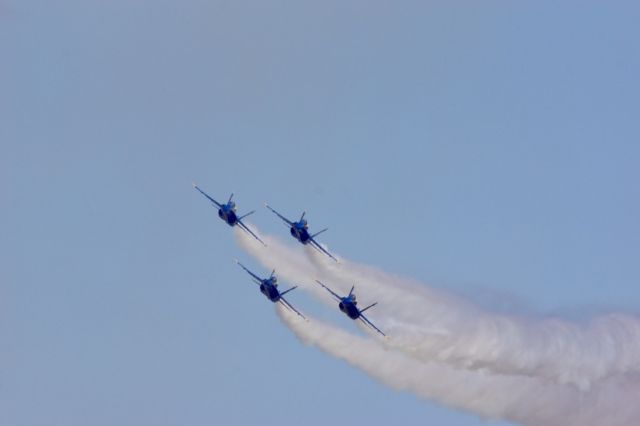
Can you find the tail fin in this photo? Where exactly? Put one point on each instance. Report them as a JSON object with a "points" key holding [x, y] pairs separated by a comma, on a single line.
{"points": [[230, 197], [370, 306], [302, 217], [247, 214], [318, 233], [288, 290]]}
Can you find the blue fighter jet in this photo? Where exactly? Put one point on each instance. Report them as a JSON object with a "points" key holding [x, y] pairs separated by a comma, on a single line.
{"points": [[348, 305], [300, 231], [227, 212], [269, 287]]}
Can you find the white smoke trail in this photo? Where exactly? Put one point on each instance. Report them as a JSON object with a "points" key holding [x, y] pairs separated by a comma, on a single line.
{"points": [[434, 326], [525, 400], [441, 327], [445, 349]]}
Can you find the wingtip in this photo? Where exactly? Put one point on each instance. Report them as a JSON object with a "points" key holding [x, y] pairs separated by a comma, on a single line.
{"points": [[194, 184], [237, 261]]}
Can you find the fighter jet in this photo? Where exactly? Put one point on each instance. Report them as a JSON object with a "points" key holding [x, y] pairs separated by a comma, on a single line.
{"points": [[227, 212], [300, 231], [348, 305], [269, 287]]}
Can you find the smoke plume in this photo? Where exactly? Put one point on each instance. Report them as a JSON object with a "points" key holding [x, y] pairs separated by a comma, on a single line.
{"points": [[533, 371]]}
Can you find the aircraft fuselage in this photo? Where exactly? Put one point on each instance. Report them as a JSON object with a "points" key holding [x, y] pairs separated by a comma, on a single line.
{"points": [[270, 291], [228, 215], [300, 233], [349, 308]]}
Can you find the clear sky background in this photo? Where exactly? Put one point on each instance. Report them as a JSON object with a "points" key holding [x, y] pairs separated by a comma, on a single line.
{"points": [[490, 149]]}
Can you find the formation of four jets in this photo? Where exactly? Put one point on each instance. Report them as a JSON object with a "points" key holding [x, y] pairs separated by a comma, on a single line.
{"points": [[300, 231]]}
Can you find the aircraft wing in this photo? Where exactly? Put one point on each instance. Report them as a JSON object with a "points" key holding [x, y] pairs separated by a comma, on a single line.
{"points": [[279, 215], [288, 305], [370, 324], [205, 194], [255, 277], [318, 247], [330, 291], [247, 230]]}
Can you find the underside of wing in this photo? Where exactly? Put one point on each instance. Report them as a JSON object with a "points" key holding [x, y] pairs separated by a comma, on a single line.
{"points": [[318, 247], [206, 195], [246, 229], [370, 324], [255, 277], [288, 305], [338, 298], [279, 215]]}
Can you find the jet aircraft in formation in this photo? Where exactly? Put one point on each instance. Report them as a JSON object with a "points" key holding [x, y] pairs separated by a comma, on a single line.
{"points": [[349, 305], [269, 287], [227, 212], [300, 231]]}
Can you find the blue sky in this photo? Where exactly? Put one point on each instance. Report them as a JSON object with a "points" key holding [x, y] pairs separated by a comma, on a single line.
{"points": [[491, 150]]}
